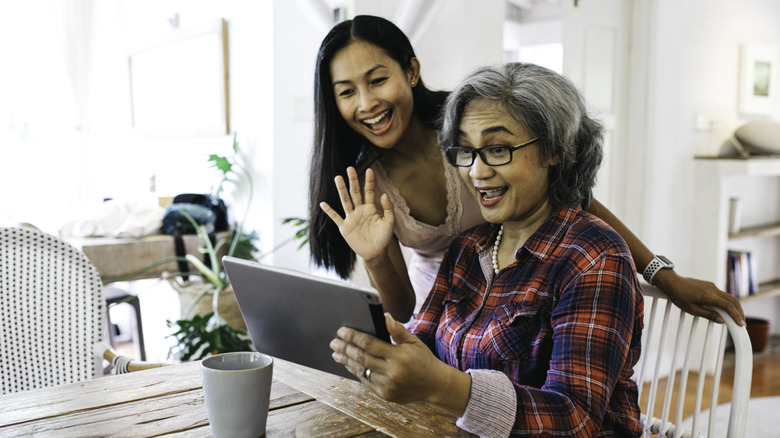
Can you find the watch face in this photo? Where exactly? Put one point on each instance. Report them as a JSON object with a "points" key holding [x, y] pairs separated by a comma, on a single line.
{"points": [[666, 261]]}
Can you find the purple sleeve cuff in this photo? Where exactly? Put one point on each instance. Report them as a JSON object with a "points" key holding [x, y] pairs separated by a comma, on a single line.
{"points": [[492, 407]]}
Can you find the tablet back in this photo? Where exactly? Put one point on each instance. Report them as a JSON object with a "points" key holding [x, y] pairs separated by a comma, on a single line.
{"points": [[294, 316]]}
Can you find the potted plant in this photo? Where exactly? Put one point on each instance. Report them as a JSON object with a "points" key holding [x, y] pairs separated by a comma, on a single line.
{"points": [[202, 333], [216, 327], [211, 322], [211, 333]]}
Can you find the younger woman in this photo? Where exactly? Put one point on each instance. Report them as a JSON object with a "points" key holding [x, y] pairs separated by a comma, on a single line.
{"points": [[372, 110]]}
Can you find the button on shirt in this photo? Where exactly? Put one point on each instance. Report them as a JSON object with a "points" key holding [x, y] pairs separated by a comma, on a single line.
{"points": [[552, 340]]}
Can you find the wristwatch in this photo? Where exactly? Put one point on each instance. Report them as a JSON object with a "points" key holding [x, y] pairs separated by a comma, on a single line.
{"points": [[659, 262]]}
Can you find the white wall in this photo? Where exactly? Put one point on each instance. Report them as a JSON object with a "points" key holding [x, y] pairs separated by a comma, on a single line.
{"points": [[272, 49], [694, 70], [295, 44], [692, 60], [457, 27], [689, 70]]}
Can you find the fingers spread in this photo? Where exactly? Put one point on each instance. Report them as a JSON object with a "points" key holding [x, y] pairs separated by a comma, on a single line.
{"points": [[368, 190], [354, 186], [387, 208], [346, 200], [332, 214]]}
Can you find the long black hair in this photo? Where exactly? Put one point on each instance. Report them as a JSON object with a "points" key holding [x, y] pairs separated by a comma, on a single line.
{"points": [[337, 146]]}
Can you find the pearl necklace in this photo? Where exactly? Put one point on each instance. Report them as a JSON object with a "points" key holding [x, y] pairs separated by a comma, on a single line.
{"points": [[495, 249]]}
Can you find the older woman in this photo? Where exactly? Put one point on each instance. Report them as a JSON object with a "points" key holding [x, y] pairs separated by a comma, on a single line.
{"points": [[372, 109], [533, 325]]}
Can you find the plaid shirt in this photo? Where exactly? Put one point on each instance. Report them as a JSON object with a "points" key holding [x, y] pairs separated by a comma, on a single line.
{"points": [[563, 323]]}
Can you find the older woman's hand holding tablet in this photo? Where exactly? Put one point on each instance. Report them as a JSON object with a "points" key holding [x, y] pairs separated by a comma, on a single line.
{"points": [[533, 325]]}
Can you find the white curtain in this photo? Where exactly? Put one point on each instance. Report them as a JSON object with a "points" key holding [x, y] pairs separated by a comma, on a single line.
{"points": [[76, 18], [76, 33]]}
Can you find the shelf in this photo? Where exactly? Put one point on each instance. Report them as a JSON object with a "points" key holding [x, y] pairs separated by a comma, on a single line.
{"points": [[765, 290], [754, 166], [715, 183], [767, 230]]}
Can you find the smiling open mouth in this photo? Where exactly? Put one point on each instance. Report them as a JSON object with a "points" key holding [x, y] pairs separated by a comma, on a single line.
{"points": [[379, 122], [492, 194]]}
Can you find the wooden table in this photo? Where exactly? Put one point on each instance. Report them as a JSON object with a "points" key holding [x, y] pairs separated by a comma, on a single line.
{"points": [[168, 401], [115, 257]]}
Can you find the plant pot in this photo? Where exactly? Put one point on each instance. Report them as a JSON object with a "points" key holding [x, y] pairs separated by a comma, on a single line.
{"points": [[758, 331], [228, 307]]}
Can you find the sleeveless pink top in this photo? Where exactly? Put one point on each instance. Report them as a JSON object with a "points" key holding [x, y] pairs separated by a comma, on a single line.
{"points": [[427, 242]]}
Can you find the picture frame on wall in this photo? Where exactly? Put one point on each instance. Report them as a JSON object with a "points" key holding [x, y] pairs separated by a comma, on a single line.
{"points": [[758, 78], [179, 83]]}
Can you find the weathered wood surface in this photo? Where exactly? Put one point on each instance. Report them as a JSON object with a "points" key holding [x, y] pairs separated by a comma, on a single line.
{"points": [[97, 393], [350, 397], [168, 401], [115, 257]]}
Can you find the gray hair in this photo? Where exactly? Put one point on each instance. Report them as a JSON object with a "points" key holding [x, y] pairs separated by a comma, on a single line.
{"points": [[549, 107]]}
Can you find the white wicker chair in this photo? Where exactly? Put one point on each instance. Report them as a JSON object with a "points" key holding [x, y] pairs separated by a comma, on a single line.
{"points": [[707, 348], [53, 311]]}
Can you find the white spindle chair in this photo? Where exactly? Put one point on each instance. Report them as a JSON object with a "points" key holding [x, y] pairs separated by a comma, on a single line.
{"points": [[689, 346]]}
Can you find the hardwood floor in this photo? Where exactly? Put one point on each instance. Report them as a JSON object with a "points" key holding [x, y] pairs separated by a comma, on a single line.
{"points": [[765, 381], [766, 371]]}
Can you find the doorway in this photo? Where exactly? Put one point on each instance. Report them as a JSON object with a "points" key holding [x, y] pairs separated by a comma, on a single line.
{"points": [[590, 42]]}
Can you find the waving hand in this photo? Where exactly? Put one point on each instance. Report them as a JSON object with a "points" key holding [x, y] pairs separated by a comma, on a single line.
{"points": [[366, 231]]}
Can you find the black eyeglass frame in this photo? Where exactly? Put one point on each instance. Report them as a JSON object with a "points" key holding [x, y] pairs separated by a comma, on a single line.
{"points": [[475, 151]]}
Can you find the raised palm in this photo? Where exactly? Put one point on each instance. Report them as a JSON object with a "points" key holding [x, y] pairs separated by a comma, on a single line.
{"points": [[367, 231]]}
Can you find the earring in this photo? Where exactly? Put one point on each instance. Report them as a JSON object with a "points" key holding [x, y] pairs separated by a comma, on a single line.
{"points": [[412, 83]]}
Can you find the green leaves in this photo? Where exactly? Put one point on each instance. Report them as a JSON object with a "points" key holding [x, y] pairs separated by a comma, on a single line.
{"points": [[210, 334], [203, 335], [245, 248], [196, 340], [221, 163], [231, 169], [302, 231]]}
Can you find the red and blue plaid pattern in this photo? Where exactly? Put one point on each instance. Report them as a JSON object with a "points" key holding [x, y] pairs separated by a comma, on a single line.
{"points": [[563, 322]]}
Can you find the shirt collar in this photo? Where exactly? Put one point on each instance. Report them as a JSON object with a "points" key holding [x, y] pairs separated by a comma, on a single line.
{"points": [[487, 238], [542, 242]]}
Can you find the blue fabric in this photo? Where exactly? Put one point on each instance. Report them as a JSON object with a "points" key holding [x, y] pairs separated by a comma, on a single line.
{"points": [[175, 219]]}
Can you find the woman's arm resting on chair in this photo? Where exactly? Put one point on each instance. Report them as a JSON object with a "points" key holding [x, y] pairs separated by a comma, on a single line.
{"points": [[690, 294]]}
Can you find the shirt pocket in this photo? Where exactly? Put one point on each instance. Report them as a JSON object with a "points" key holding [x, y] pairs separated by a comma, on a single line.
{"points": [[452, 308], [454, 302], [514, 332]]}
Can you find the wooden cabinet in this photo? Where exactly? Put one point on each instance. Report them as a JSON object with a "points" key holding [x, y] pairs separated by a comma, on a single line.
{"points": [[716, 179]]}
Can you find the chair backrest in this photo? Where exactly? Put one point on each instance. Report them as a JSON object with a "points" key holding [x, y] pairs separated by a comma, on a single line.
{"points": [[676, 344], [51, 311]]}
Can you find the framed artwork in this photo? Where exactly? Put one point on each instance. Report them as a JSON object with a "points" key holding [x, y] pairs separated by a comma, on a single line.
{"points": [[179, 84], [758, 78]]}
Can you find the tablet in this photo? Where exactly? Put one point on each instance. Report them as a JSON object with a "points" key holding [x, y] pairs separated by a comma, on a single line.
{"points": [[294, 316]]}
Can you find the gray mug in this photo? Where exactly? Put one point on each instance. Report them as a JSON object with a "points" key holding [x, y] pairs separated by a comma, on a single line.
{"points": [[237, 390]]}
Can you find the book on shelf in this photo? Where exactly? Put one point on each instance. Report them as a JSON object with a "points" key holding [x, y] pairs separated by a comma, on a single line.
{"points": [[752, 277], [741, 279]]}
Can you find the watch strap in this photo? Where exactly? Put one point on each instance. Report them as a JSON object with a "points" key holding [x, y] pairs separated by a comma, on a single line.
{"points": [[655, 265]]}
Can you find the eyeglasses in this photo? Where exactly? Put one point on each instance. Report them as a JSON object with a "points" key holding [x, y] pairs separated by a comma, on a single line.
{"points": [[493, 155]]}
